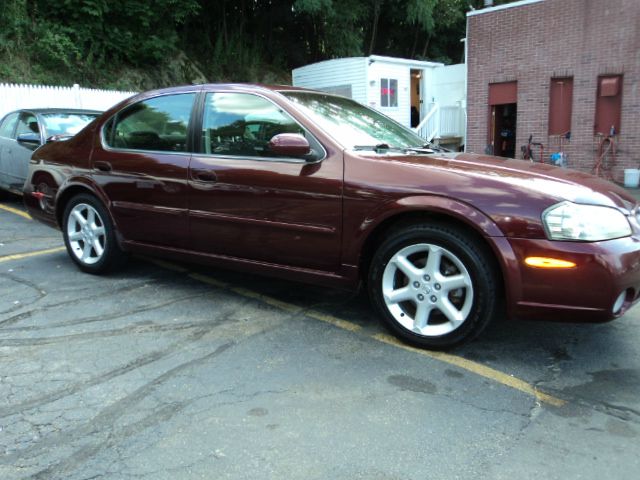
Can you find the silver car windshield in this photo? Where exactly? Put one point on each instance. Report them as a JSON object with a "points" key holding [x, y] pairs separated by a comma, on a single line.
{"points": [[352, 124], [66, 123]]}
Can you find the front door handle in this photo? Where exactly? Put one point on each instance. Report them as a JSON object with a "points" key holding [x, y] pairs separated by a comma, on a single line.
{"points": [[205, 176], [102, 166]]}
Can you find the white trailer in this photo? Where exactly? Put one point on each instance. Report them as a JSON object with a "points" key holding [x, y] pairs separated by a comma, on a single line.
{"points": [[428, 96]]}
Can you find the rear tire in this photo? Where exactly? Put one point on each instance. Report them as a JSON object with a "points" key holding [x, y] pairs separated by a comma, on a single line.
{"points": [[89, 236], [433, 285]]}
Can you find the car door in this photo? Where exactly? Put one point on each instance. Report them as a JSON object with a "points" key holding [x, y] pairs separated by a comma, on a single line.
{"points": [[142, 166], [7, 142], [16, 154], [247, 204]]}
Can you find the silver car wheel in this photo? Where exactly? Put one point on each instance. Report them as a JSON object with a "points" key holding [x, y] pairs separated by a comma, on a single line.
{"points": [[86, 234], [427, 289]]}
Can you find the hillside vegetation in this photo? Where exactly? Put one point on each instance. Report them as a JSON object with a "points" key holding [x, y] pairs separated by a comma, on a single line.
{"points": [[142, 44]]}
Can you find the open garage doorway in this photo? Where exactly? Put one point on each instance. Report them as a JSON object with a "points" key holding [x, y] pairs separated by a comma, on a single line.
{"points": [[503, 116]]}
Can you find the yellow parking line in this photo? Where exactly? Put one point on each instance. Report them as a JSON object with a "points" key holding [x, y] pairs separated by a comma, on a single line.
{"points": [[478, 369], [338, 322], [207, 280], [19, 256], [274, 302], [164, 264], [15, 211], [460, 362]]}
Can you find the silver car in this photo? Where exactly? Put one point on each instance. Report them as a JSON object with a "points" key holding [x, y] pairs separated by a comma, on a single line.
{"points": [[22, 131]]}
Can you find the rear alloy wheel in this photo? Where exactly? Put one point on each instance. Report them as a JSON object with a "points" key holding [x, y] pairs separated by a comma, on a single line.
{"points": [[433, 285], [89, 235]]}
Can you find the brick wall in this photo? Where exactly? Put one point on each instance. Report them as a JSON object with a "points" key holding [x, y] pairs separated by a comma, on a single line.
{"points": [[533, 43]]}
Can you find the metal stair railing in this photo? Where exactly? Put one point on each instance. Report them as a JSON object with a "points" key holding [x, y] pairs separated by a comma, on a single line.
{"points": [[429, 127]]}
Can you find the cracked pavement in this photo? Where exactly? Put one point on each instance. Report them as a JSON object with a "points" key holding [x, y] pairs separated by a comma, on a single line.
{"points": [[152, 374]]}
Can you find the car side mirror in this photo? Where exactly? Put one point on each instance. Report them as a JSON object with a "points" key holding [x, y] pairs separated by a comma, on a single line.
{"points": [[58, 138], [289, 145], [29, 139]]}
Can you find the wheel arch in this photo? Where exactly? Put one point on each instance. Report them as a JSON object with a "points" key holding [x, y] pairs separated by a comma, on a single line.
{"points": [[66, 194], [43, 176], [74, 187]]}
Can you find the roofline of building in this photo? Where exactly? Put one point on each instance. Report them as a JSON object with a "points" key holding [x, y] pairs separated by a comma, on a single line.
{"points": [[502, 7], [405, 61], [381, 58]]}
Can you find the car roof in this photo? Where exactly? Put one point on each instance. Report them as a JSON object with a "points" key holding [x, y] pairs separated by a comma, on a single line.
{"points": [[232, 86], [58, 110]]}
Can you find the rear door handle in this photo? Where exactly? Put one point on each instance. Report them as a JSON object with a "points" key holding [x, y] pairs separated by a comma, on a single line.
{"points": [[102, 166]]}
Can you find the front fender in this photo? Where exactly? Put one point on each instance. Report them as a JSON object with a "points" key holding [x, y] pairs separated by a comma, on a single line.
{"points": [[384, 215], [396, 208], [454, 208]]}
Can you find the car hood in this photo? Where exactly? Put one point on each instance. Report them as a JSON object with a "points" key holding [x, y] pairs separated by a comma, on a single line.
{"points": [[542, 179]]}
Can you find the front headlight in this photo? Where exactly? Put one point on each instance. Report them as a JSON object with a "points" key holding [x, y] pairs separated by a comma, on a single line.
{"points": [[591, 223]]}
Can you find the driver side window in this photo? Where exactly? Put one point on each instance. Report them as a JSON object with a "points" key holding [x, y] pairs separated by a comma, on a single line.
{"points": [[241, 124], [28, 123]]}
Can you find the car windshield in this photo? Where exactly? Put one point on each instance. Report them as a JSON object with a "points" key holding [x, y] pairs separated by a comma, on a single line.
{"points": [[353, 124], [66, 123]]}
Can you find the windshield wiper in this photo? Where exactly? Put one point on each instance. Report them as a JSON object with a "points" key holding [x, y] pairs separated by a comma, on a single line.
{"points": [[425, 149], [379, 148], [435, 148]]}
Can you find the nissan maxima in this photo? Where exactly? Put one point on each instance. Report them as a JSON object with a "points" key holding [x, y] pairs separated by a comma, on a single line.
{"points": [[318, 188]]}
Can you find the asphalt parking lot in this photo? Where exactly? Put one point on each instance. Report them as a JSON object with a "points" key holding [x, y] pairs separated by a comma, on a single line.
{"points": [[171, 371]]}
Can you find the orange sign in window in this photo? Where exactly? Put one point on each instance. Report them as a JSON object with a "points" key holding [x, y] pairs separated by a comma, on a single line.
{"points": [[609, 86], [608, 105]]}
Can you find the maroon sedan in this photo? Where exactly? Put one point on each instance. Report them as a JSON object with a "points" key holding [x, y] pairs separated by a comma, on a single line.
{"points": [[318, 188]]}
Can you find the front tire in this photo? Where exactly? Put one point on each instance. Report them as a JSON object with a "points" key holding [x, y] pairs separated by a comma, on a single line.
{"points": [[433, 285], [90, 237]]}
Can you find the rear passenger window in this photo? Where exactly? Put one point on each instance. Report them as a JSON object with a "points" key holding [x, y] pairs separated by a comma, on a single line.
{"points": [[157, 124], [241, 124], [8, 125]]}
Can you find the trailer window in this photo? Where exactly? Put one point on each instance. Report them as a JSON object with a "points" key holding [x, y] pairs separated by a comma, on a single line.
{"points": [[389, 92]]}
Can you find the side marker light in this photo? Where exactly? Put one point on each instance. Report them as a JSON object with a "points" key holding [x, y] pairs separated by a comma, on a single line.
{"points": [[546, 262]]}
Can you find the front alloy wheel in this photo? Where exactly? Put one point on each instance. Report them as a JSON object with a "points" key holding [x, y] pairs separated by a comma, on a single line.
{"points": [[427, 289], [434, 285]]}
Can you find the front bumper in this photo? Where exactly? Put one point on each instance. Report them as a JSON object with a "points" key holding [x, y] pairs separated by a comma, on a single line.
{"points": [[589, 292]]}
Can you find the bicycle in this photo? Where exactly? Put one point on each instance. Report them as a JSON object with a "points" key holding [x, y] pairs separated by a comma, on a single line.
{"points": [[528, 150]]}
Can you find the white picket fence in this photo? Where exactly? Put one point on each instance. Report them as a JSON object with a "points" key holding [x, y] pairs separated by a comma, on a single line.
{"points": [[14, 97]]}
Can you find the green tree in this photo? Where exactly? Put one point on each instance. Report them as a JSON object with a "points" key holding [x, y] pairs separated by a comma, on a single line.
{"points": [[139, 44], [332, 28]]}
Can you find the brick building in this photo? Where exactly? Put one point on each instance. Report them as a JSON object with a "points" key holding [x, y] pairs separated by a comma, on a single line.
{"points": [[556, 69]]}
